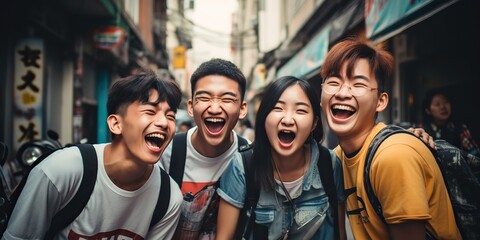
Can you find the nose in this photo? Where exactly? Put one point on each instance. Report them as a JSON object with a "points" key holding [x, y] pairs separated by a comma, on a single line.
{"points": [[161, 120], [288, 119], [215, 107], [342, 92]]}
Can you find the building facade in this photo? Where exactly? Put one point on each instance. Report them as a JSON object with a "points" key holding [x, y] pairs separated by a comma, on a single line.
{"points": [[432, 42]]}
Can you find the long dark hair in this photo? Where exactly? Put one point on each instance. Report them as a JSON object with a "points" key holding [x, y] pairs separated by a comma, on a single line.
{"points": [[261, 149]]}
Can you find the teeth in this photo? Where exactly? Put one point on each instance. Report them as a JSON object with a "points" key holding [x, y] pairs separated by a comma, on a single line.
{"points": [[214, 119], [156, 135], [286, 131], [343, 107]]}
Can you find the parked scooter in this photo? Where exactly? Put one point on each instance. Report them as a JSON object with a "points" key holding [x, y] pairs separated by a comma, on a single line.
{"points": [[5, 190], [30, 151]]}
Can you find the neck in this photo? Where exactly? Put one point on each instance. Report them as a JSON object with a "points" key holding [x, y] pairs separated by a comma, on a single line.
{"points": [[440, 123], [352, 142], [124, 172], [293, 167], [211, 151]]}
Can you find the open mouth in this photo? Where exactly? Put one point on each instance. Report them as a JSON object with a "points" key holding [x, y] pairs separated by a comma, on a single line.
{"points": [[342, 111], [214, 125], [155, 140], [286, 137]]}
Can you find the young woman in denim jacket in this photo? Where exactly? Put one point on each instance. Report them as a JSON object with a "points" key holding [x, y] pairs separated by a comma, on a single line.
{"points": [[292, 203]]}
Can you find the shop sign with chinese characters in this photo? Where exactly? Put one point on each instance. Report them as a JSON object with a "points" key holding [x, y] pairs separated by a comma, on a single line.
{"points": [[28, 90]]}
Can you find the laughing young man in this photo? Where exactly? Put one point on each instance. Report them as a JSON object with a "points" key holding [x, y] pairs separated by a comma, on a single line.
{"points": [[404, 175], [141, 118], [217, 103]]}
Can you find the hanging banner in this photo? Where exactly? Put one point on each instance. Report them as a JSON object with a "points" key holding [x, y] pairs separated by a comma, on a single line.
{"points": [[308, 59], [28, 90], [107, 38], [386, 16]]}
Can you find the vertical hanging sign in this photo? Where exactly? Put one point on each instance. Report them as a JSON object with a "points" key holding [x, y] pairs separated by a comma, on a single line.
{"points": [[28, 90]]}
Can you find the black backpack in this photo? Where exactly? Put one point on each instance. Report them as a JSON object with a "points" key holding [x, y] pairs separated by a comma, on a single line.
{"points": [[71, 211], [246, 223], [179, 153], [462, 185]]}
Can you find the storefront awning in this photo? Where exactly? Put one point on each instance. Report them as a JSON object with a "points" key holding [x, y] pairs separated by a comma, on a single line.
{"points": [[384, 19], [309, 59]]}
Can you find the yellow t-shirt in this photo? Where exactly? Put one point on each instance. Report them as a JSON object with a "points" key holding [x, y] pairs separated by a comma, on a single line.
{"points": [[407, 182]]}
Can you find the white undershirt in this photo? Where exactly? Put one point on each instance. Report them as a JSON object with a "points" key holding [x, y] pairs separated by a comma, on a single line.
{"points": [[293, 186]]}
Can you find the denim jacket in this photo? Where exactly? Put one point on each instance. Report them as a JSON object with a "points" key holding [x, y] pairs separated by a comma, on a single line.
{"points": [[311, 217]]}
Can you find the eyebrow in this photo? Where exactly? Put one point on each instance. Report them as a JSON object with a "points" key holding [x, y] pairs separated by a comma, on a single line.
{"points": [[297, 103], [361, 77], [224, 94], [153, 104]]}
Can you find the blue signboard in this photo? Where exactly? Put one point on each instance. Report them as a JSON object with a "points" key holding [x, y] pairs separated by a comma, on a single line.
{"points": [[309, 58], [385, 16]]}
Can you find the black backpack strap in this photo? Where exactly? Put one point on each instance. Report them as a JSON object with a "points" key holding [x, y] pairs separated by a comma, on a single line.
{"points": [[251, 195], [178, 157], [163, 199], [325, 169], [71, 211], [374, 145], [243, 144], [386, 132]]}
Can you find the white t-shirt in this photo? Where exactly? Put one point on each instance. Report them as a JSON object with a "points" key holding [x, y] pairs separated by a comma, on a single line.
{"points": [[200, 181], [110, 211]]}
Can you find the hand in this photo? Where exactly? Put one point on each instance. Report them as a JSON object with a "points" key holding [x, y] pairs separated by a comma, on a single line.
{"points": [[424, 136]]}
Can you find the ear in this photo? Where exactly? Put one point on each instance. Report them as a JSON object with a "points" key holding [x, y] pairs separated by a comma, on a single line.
{"points": [[243, 110], [315, 122], [190, 107], [382, 102], [114, 124]]}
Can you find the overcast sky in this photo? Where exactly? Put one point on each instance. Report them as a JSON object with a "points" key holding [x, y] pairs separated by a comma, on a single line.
{"points": [[213, 24]]}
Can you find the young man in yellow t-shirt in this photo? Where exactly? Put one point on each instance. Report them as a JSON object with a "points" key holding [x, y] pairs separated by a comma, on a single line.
{"points": [[404, 175]]}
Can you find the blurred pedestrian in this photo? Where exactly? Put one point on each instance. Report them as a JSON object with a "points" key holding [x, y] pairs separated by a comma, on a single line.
{"points": [[439, 121], [184, 126], [245, 130]]}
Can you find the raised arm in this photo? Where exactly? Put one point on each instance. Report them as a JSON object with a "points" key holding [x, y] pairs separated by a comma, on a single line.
{"points": [[341, 221], [227, 220], [411, 230]]}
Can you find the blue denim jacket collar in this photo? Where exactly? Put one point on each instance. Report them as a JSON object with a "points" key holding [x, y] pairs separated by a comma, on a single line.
{"points": [[311, 179]]}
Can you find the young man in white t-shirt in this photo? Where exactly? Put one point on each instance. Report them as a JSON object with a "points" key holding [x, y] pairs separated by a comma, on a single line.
{"points": [[217, 103], [141, 119]]}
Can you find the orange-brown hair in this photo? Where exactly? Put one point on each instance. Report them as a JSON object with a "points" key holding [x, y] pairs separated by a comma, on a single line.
{"points": [[350, 51]]}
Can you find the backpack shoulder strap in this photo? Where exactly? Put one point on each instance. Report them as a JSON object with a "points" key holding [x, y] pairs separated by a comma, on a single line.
{"points": [[163, 199], [178, 157], [243, 144], [71, 211], [246, 222], [325, 169], [374, 145]]}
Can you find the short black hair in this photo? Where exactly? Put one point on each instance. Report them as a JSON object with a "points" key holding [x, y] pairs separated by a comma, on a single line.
{"points": [[136, 87], [217, 66]]}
